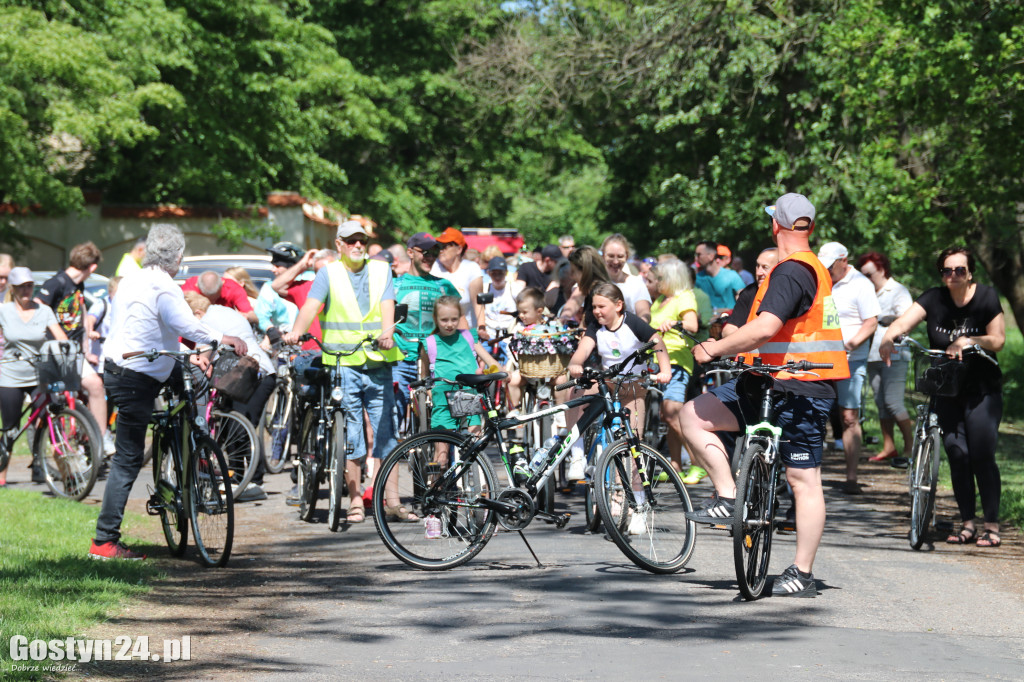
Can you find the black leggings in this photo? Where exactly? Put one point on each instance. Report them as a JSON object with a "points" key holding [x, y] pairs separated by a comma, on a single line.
{"points": [[970, 426], [12, 400]]}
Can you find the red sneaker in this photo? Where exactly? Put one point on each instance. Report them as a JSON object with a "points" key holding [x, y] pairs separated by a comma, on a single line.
{"points": [[113, 550]]}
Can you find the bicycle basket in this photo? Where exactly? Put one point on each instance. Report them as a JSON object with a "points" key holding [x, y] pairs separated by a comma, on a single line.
{"points": [[940, 377], [235, 377], [59, 362], [465, 403]]}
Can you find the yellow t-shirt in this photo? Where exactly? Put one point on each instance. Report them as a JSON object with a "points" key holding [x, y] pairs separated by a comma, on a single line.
{"points": [[672, 310]]}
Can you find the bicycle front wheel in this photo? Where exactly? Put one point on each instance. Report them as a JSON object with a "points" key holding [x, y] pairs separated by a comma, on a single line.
{"points": [[753, 521], [658, 538], [336, 472], [68, 446], [308, 469], [455, 527], [210, 503], [274, 430], [923, 479], [168, 484]]}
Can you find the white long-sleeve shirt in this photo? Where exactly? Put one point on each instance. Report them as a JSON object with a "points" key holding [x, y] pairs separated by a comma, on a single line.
{"points": [[150, 312]]}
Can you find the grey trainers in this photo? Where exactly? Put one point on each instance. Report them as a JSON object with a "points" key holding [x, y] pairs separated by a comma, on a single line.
{"points": [[252, 493], [719, 511], [794, 583]]}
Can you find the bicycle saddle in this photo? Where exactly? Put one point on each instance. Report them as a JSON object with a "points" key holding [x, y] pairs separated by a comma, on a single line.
{"points": [[480, 379]]}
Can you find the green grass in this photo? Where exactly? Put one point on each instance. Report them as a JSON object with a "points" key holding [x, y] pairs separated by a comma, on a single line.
{"points": [[49, 587]]}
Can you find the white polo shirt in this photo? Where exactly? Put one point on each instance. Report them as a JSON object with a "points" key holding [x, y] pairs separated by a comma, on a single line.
{"points": [[855, 300]]}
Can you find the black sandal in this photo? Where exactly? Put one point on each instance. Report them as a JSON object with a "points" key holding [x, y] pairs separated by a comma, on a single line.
{"points": [[990, 538], [965, 537]]}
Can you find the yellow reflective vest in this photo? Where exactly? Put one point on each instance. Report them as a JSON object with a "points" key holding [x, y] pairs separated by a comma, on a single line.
{"points": [[343, 324]]}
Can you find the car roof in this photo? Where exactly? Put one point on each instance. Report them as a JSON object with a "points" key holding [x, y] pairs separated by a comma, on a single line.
{"points": [[258, 266]]}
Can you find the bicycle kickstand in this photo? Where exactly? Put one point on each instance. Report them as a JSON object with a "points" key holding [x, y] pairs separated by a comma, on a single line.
{"points": [[525, 542]]}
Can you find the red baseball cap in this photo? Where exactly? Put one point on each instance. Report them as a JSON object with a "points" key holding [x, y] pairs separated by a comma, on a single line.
{"points": [[724, 251]]}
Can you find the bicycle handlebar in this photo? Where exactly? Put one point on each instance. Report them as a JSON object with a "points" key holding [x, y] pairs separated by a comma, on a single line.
{"points": [[792, 366], [591, 375], [153, 353], [974, 349], [340, 353]]}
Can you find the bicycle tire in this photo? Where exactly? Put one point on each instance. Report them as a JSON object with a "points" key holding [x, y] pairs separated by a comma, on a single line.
{"points": [[924, 479], [667, 541], [168, 489], [753, 521], [308, 470], [236, 436], [652, 422], [69, 448], [275, 427], [465, 527], [591, 511], [421, 405], [210, 503], [337, 472], [546, 493]]}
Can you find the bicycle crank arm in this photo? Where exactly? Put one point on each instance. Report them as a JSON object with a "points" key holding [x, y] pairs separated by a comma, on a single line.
{"points": [[498, 506]]}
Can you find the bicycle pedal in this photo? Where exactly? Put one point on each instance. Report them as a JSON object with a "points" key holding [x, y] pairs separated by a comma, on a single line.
{"points": [[721, 526], [562, 520], [153, 505]]}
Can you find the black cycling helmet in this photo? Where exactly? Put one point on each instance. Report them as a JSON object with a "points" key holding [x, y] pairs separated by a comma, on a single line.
{"points": [[285, 253]]}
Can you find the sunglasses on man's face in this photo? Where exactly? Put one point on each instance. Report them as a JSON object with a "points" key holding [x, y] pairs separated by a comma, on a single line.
{"points": [[355, 240], [959, 271]]}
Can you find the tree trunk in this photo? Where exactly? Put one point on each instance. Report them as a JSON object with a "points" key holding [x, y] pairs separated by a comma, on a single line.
{"points": [[1001, 251]]}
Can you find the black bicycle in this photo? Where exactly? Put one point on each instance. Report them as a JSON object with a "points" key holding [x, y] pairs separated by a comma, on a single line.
{"points": [[936, 374], [759, 470], [449, 480], [191, 477]]}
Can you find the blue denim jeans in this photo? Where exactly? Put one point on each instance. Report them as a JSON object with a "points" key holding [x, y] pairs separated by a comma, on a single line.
{"points": [[372, 390]]}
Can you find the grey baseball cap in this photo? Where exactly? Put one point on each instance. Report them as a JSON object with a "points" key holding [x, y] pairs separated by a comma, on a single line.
{"points": [[789, 208]]}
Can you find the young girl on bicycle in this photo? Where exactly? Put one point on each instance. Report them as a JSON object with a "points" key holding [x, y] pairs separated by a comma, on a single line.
{"points": [[451, 351], [615, 334], [530, 308]]}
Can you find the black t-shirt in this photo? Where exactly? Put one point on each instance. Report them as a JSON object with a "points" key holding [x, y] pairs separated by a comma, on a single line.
{"points": [[947, 323], [531, 274], [791, 290], [67, 301], [741, 311]]}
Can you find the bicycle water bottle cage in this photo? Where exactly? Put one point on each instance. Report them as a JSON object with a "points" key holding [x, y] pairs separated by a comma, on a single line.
{"points": [[55, 387]]}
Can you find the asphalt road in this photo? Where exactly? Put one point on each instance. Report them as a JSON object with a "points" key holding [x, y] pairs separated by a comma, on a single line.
{"points": [[300, 602]]}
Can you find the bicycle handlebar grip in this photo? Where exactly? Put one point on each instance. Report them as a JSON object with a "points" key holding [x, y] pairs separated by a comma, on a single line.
{"points": [[132, 354], [306, 337], [568, 384]]}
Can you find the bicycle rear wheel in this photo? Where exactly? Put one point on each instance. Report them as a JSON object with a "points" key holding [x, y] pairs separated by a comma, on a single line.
{"points": [[235, 435], [753, 520], [336, 472], [308, 469], [465, 526], [275, 430], [168, 493], [924, 477], [210, 503], [663, 543], [67, 444]]}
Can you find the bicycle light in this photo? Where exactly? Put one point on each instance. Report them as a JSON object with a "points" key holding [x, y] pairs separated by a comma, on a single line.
{"points": [[336, 394]]}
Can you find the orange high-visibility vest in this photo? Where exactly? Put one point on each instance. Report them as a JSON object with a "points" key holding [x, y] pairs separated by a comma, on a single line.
{"points": [[814, 336]]}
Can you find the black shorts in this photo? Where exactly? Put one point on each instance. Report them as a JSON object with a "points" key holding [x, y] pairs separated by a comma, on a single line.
{"points": [[802, 420]]}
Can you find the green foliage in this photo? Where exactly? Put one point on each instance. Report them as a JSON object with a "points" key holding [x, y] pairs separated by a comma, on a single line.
{"points": [[233, 233]]}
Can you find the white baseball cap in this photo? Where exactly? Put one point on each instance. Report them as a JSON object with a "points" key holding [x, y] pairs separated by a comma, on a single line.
{"points": [[830, 252]]}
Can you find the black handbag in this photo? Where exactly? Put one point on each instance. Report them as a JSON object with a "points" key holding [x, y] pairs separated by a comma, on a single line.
{"points": [[236, 377]]}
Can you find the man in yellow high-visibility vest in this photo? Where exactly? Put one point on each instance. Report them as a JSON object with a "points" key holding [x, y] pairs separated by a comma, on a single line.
{"points": [[357, 298]]}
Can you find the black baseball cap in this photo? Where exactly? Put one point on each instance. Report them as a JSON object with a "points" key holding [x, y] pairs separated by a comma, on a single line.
{"points": [[551, 251], [497, 263], [422, 241]]}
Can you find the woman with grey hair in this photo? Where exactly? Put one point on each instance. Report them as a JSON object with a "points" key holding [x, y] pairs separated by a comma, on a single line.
{"points": [[149, 312]]}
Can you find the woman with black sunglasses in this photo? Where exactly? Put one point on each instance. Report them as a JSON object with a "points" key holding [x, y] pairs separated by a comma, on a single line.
{"points": [[960, 314]]}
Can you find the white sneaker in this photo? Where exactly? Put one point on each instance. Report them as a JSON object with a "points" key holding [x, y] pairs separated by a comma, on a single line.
{"points": [[252, 493], [577, 468], [108, 443], [638, 524]]}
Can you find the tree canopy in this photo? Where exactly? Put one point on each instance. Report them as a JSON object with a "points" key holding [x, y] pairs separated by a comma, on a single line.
{"points": [[668, 120]]}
